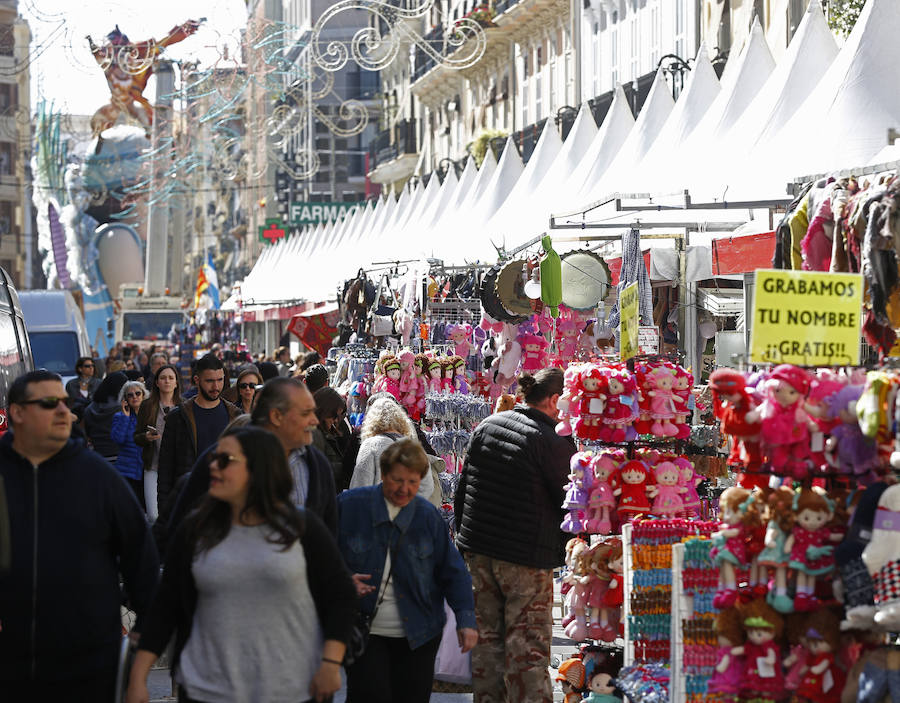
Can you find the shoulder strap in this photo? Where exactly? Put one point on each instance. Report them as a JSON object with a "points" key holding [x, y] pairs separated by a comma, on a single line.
{"points": [[393, 435]]}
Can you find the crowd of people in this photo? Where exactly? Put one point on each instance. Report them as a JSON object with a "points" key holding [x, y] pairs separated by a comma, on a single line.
{"points": [[245, 492]]}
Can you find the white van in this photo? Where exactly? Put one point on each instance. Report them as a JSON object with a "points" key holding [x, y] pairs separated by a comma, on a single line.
{"points": [[56, 329], [15, 351]]}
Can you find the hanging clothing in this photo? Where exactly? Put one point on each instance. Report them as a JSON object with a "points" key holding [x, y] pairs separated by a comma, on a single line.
{"points": [[633, 269]]}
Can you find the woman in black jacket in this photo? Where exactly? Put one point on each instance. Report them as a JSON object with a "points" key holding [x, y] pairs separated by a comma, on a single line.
{"points": [[99, 414]]}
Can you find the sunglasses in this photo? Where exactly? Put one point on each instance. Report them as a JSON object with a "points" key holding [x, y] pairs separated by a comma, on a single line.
{"points": [[242, 386], [222, 459], [87, 366], [48, 403], [134, 395]]}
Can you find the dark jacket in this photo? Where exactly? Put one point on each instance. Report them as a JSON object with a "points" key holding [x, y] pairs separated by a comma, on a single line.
{"points": [[147, 417], [73, 389], [509, 496], [178, 446], [426, 568], [320, 497], [86, 527], [173, 608], [98, 419], [341, 451], [129, 462]]}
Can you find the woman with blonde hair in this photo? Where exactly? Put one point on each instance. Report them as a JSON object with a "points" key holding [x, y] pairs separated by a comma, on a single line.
{"points": [[385, 422], [129, 461]]}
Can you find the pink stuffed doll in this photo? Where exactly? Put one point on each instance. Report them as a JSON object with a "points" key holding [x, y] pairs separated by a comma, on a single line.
{"points": [[577, 493], [460, 335], [684, 383], [579, 577], [726, 679], [409, 382], [509, 354], [667, 493], [785, 425], [592, 390], [621, 407], [568, 404], [421, 364], [391, 378], [534, 352], [448, 372], [597, 616], [739, 515], [601, 501], [630, 485], [810, 554], [566, 339], [665, 405], [690, 479]]}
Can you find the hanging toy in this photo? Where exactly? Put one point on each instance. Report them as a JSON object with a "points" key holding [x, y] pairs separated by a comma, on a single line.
{"points": [[785, 425], [577, 492], [620, 408], [459, 335], [566, 337], [460, 382], [568, 404], [601, 501], [447, 372], [630, 485], [534, 352], [684, 383], [726, 680], [409, 383], [665, 405], [551, 277], [571, 679], [435, 376], [823, 679], [763, 679], [667, 491], [509, 355], [881, 559], [732, 405], [738, 512], [810, 554], [848, 450], [690, 480], [779, 520], [591, 396]]}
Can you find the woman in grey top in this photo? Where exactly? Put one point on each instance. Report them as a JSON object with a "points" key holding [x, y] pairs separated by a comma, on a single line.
{"points": [[254, 590]]}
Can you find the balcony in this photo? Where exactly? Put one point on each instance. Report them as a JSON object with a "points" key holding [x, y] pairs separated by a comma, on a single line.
{"points": [[393, 153]]}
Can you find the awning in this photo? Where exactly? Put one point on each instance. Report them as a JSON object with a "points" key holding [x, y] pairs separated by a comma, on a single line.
{"points": [[317, 327]]}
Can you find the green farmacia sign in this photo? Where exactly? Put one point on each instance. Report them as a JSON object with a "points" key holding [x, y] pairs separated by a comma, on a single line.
{"points": [[320, 213]]}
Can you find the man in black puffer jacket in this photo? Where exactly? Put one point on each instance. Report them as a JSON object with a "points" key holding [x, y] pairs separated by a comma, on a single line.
{"points": [[508, 514], [75, 526]]}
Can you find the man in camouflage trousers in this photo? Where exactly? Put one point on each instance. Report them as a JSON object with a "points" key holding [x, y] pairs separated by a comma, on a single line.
{"points": [[507, 515]]}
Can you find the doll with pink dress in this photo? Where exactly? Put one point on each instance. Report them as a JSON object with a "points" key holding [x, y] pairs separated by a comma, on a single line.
{"points": [[620, 407], [690, 479], [390, 380], [568, 404], [684, 383], [409, 382], [566, 338], [785, 425], [601, 501], [460, 335], [739, 515], [448, 372], [726, 679], [811, 555], [435, 381], [667, 490], [534, 352], [421, 364], [665, 405]]}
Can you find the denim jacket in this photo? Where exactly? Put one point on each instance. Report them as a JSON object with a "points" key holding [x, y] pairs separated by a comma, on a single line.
{"points": [[426, 567]]}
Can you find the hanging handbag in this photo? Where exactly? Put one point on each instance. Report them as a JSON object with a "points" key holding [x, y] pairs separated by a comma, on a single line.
{"points": [[359, 635]]}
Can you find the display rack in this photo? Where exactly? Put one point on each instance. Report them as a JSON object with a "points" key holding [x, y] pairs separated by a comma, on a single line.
{"points": [[680, 607], [627, 572]]}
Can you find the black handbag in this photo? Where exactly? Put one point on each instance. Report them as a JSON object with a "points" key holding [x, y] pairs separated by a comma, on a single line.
{"points": [[359, 635]]}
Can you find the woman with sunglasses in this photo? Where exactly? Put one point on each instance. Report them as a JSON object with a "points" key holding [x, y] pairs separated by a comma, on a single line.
{"points": [[243, 393], [151, 420], [129, 462], [254, 590]]}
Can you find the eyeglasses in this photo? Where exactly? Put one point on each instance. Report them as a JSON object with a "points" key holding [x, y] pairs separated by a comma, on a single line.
{"points": [[87, 366], [242, 386], [49, 402], [222, 459], [134, 395]]}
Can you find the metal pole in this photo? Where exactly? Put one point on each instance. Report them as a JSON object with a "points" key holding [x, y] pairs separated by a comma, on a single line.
{"points": [[158, 216]]}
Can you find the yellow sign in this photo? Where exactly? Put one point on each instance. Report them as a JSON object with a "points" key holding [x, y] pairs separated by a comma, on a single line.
{"points": [[806, 318], [628, 322]]}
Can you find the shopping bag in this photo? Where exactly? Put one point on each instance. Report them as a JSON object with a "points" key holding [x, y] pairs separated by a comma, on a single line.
{"points": [[451, 664]]}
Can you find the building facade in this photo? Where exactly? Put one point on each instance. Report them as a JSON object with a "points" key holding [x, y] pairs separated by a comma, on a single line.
{"points": [[18, 250]]}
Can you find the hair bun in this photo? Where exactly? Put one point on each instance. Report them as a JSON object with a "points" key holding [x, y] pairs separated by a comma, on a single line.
{"points": [[526, 382]]}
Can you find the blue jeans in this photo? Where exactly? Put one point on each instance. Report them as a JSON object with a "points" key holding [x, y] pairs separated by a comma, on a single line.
{"points": [[875, 683]]}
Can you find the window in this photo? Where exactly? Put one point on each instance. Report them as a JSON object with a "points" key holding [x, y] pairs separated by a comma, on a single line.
{"points": [[6, 217], [680, 25], [8, 96], [654, 34], [635, 47], [7, 40], [614, 54], [7, 159]]}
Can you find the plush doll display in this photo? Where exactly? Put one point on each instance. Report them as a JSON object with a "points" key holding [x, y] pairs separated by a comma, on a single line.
{"points": [[665, 405], [630, 485], [811, 555], [667, 491], [690, 479], [615, 590], [591, 396], [779, 520], [601, 501], [848, 450], [448, 371], [579, 576], [421, 363], [534, 352], [738, 512], [823, 678], [882, 558], [566, 338], [726, 679], [390, 380], [684, 383], [785, 425], [460, 335], [409, 383], [620, 407], [435, 376], [763, 678], [599, 615], [731, 405]]}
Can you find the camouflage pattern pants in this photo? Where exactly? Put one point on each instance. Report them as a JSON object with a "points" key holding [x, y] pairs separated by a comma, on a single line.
{"points": [[515, 628]]}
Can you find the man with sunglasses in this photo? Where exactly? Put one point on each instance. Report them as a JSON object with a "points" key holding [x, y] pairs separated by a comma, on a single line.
{"points": [[76, 526]]}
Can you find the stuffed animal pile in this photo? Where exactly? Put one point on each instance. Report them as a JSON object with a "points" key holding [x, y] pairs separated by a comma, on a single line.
{"points": [[593, 586], [606, 489]]}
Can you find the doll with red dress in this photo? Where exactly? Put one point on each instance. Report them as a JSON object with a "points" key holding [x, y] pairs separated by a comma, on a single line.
{"points": [[731, 405], [620, 407], [591, 396], [810, 545], [822, 679], [763, 679], [534, 352], [785, 424], [739, 515], [630, 485]]}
